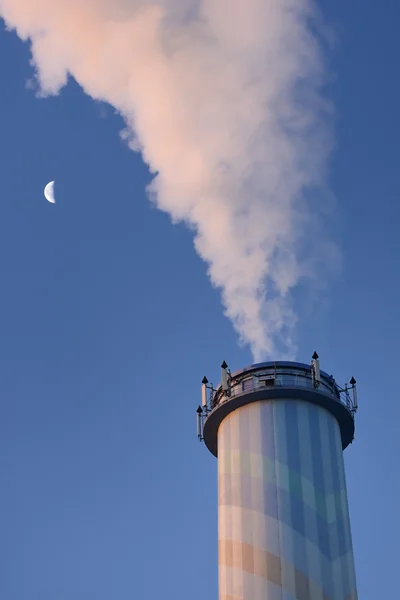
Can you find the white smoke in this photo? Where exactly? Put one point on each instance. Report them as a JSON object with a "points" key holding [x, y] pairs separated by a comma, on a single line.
{"points": [[222, 98]]}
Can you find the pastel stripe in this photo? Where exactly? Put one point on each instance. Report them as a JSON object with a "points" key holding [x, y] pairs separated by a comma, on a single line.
{"points": [[284, 529], [263, 468]]}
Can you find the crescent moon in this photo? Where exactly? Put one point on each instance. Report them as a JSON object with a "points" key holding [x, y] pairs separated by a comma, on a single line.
{"points": [[49, 192]]}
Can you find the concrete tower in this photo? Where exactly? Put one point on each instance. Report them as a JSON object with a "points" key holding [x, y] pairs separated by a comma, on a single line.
{"points": [[279, 430]]}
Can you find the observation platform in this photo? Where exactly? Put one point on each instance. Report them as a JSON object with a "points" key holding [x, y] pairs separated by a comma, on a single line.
{"points": [[276, 381]]}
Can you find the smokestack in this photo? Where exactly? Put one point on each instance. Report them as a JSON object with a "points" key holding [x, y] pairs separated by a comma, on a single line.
{"points": [[223, 100], [283, 519]]}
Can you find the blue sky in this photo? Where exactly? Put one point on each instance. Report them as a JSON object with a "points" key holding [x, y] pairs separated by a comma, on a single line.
{"points": [[108, 324]]}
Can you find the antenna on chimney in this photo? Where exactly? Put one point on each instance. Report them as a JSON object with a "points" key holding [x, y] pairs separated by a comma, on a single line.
{"points": [[226, 378], [315, 370]]}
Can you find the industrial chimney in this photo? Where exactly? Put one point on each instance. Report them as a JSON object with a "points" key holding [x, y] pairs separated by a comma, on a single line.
{"points": [[279, 430]]}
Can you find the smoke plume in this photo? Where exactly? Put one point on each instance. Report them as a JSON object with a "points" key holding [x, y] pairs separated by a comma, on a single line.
{"points": [[222, 98]]}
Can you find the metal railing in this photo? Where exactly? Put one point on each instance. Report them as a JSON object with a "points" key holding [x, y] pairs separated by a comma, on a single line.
{"points": [[273, 375], [256, 380]]}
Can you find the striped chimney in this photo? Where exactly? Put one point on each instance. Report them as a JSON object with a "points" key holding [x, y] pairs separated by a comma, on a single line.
{"points": [[279, 431]]}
